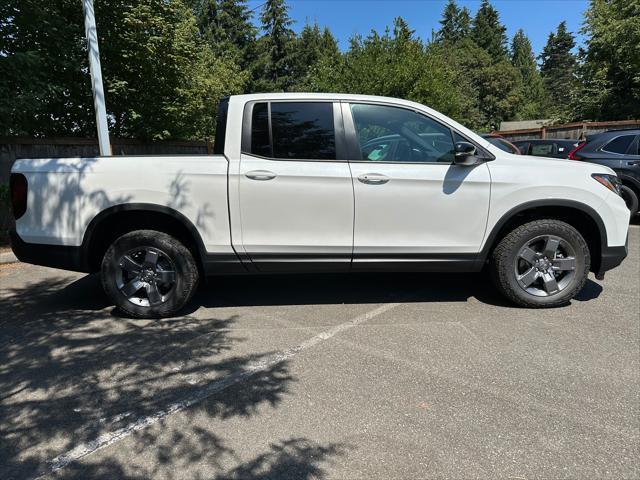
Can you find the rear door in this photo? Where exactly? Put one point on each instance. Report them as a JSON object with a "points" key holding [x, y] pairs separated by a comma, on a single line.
{"points": [[414, 209], [296, 194]]}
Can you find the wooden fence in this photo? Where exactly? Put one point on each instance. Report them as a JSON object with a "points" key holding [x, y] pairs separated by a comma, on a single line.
{"points": [[572, 131], [13, 148]]}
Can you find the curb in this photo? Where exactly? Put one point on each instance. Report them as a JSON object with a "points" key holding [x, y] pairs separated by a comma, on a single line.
{"points": [[7, 257]]}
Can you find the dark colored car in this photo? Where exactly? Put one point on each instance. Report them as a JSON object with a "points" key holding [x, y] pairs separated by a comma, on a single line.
{"points": [[619, 150], [550, 147], [501, 143]]}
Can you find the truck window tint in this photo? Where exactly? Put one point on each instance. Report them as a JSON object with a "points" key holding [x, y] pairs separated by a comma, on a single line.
{"points": [[619, 144], [410, 136], [303, 130], [260, 141]]}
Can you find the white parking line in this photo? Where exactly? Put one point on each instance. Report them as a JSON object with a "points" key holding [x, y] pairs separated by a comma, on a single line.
{"points": [[109, 438]]}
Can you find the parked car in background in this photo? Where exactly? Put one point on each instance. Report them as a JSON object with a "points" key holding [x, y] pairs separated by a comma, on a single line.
{"points": [[619, 150], [502, 143], [549, 147]]}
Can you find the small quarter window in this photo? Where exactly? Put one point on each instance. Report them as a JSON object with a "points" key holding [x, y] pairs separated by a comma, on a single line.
{"points": [[260, 138], [619, 144]]}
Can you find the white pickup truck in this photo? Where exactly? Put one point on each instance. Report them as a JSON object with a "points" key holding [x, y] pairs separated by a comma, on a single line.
{"points": [[317, 183]]}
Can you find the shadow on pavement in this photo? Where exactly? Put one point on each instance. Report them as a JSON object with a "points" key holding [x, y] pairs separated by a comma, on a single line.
{"points": [[71, 371], [355, 289]]}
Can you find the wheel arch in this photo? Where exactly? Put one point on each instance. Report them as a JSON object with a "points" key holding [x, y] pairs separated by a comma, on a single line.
{"points": [[117, 220], [580, 216]]}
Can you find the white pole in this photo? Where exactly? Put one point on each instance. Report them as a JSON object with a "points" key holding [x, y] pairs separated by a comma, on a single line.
{"points": [[96, 77]]}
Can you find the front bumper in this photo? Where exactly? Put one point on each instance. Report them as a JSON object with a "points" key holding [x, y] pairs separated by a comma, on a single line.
{"points": [[54, 256], [611, 258]]}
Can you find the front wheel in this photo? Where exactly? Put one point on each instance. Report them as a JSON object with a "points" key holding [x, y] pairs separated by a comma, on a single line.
{"points": [[149, 274], [543, 263]]}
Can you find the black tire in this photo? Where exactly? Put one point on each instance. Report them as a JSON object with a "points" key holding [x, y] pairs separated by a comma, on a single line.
{"points": [[630, 198], [511, 271], [149, 278]]}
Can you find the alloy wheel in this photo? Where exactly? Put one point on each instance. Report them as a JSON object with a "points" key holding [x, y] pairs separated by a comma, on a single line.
{"points": [[545, 265], [146, 276]]}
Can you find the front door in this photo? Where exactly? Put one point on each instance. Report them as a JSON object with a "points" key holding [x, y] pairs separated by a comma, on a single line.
{"points": [[413, 207], [296, 198]]}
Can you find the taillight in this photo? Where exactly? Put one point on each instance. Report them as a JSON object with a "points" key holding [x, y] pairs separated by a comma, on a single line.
{"points": [[18, 187], [572, 153]]}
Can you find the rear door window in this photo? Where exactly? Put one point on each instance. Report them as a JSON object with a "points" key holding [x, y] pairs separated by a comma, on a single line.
{"points": [[619, 144], [303, 130], [293, 130]]}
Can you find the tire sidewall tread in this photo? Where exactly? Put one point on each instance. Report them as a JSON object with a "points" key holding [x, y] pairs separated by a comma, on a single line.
{"points": [[503, 258], [186, 272]]}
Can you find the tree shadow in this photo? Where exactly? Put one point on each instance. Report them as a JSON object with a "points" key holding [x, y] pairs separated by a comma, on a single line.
{"points": [[292, 458], [70, 371]]}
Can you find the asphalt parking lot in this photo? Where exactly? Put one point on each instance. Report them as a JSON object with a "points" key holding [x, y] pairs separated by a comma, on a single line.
{"points": [[377, 376]]}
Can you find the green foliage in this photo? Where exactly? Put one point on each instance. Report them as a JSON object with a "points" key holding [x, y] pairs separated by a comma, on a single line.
{"points": [[167, 63], [158, 71], [227, 27], [456, 23], [610, 70], [44, 86], [535, 101], [488, 33], [275, 63], [558, 66]]}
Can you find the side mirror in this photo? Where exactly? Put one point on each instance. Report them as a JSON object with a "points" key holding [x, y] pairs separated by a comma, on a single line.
{"points": [[465, 154]]}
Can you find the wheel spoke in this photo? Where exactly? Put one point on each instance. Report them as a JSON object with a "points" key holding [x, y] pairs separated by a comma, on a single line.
{"points": [[551, 247], [550, 284], [166, 276], [153, 293], [129, 289], [150, 259], [528, 277], [564, 264], [528, 255], [130, 265]]}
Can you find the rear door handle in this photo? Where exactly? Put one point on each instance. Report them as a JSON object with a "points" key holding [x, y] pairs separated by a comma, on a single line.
{"points": [[261, 175], [633, 163], [373, 178]]}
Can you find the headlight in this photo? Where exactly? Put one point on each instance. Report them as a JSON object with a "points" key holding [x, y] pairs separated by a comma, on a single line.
{"points": [[612, 182]]}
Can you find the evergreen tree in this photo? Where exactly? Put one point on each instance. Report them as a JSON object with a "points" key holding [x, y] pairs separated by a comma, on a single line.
{"points": [[277, 60], [488, 33], [227, 27], [524, 61], [449, 30], [455, 23], [558, 65], [464, 23], [312, 48], [610, 70]]}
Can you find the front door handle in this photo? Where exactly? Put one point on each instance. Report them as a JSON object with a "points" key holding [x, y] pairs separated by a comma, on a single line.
{"points": [[373, 178], [633, 163], [260, 175]]}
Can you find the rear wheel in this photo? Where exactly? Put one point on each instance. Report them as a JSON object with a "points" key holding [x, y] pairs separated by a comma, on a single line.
{"points": [[543, 263], [630, 198], [149, 274]]}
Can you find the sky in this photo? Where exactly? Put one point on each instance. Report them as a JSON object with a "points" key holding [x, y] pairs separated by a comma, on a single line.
{"points": [[348, 17]]}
